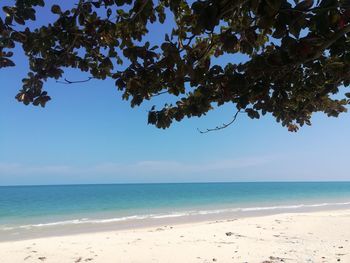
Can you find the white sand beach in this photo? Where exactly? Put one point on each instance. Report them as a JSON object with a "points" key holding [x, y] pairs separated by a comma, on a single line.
{"points": [[292, 237]]}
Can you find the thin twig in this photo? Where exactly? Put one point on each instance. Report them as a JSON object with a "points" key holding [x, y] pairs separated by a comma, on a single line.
{"points": [[223, 126], [159, 93], [66, 81]]}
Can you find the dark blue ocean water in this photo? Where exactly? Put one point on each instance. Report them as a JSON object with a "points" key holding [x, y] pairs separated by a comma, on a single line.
{"points": [[23, 205]]}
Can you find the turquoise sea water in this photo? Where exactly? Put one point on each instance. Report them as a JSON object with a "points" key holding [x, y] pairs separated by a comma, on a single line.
{"points": [[28, 206]]}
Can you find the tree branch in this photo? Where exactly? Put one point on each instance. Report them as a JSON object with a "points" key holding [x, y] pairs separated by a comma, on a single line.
{"points": [[330, 42], [145, 2], [66, 81], [223, 126], [314, 9], [159, 93], [227, 10]]}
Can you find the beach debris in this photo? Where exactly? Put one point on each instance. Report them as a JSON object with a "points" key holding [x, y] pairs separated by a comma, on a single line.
{"points": [[225, 243], [214, 260], [273, 259], [78, 260], [42, 258], [233, 234], [27, 257]]}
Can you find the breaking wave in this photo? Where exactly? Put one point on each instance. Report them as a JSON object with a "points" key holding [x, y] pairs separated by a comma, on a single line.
{"points": [[169, 215]]}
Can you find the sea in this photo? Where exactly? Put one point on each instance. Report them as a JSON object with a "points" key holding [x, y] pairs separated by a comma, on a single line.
{"points": [[34, 211]]}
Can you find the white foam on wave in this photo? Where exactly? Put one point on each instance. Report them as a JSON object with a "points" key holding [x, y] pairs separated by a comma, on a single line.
{"points": [[168, 215]]}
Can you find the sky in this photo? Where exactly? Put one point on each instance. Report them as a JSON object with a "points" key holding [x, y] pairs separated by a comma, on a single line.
{"points": [[88, 134]]}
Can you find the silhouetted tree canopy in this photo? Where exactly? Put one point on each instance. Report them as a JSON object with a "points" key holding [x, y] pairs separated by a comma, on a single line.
{"points": [[298, 54]]}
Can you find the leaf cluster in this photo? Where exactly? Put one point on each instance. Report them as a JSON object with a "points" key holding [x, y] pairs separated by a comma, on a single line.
{"points": [[299, 54]]}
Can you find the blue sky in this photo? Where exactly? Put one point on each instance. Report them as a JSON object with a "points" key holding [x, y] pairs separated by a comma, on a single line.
{"points": [[87, 134]]}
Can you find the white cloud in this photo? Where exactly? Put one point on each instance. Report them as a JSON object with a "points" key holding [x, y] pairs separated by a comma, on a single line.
{"points": [[112, 172], [282, 167], [218, 165]]}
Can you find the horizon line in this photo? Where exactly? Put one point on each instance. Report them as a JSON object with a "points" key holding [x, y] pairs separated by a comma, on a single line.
{"points": [[194, 182]]}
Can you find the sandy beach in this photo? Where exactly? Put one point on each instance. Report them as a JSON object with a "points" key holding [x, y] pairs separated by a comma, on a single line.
{"points": [[293, 237]]}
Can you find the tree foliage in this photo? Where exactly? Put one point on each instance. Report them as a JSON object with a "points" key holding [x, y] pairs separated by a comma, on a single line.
{"points": [[298, 54]]}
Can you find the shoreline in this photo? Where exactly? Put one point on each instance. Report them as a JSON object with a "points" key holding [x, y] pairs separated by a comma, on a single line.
{"points": [[289, 237], [57, 229]]}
